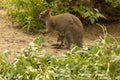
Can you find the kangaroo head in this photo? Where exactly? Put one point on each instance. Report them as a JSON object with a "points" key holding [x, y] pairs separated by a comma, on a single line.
{"points": [[44, 13]]}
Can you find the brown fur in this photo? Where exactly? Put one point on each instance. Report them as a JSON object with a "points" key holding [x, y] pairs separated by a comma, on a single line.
{"points": [[66, 24]]}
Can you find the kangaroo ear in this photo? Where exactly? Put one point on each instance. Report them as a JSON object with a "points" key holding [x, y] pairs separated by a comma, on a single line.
{"points": [[48, 8]]}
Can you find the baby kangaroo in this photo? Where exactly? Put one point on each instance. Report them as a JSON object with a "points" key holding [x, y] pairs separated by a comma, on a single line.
{"points": [[66, 24]]}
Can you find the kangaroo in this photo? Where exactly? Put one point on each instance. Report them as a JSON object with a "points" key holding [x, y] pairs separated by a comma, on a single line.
{"points": [[66, 24]]}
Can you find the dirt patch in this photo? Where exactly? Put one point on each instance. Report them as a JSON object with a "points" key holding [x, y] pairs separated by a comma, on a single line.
{"points": [[14, 39]]}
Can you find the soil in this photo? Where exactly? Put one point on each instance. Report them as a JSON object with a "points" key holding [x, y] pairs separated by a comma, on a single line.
{"points": [[14, 39]]}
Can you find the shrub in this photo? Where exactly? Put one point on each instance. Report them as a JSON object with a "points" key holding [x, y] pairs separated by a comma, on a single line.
{"points": [[78, 9], [92, 62], [109, 8], [25, 12], [115, 3]]}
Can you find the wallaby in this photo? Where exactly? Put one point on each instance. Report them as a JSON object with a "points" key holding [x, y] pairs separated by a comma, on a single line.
{"points": [[66, 24]]}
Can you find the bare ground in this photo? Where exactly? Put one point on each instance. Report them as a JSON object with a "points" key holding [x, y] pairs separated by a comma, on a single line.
{"points": [[14, 39]]}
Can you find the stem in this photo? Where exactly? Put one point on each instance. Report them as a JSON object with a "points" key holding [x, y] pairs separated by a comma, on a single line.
{"points": [[108, 67]]}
